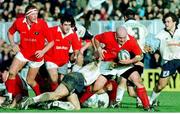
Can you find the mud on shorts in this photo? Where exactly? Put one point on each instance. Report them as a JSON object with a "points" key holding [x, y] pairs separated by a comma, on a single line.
{"points": [[170, 68], [126, 74], [74, 82]]}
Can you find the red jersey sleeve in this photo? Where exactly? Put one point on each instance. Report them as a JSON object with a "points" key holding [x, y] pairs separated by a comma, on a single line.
{"points": [[99, 37], [135, 48], [13, 27], [46, 31]]}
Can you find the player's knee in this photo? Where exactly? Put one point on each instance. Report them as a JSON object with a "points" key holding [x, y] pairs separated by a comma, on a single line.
{"points": [[30, 81], [55, 96], [99, 84], [77, 108], [123, 82], [11, 75], [160, 87], [54, 80], [132, 94]]}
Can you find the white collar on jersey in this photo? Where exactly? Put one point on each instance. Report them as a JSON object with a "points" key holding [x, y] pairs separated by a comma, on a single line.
{"points": [[59, 30], [25, 21], [128, 37]]}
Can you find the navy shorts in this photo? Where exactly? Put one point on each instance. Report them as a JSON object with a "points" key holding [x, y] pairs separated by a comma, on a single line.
{"points": [[137, 68], [170, 68], [74, 82]]}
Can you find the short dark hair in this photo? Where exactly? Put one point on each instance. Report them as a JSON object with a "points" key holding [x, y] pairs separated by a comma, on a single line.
{"points": [[173, 16], [30, 6], [67, 18], [129, 13]]}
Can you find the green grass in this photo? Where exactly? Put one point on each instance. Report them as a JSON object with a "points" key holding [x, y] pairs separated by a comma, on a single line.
{"points": [[169, 102]]}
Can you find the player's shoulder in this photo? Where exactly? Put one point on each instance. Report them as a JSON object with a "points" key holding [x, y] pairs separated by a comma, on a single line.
{"points": [[20, 19], [54, 28], [131, 38], [80, 27], [134, 23], [163, 33], [109, 33], [41, 21]]}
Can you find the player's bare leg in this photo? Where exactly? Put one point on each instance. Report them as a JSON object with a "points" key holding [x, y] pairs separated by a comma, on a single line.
{"points": [[32, 72], [15, 67], [140, 90], [54, 78], [60, 92], [73, 98], [162, 83]]}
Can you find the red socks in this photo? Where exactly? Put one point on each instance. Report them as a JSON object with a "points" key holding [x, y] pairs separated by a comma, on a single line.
{"points": [[36, 89], [54, 85], [113, 92], [86, 95], [141, 93], [10, 86]]}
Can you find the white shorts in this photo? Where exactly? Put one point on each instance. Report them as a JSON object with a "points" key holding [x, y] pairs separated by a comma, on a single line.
{"points": [[62, 70], [32, 64], [106, 69]]}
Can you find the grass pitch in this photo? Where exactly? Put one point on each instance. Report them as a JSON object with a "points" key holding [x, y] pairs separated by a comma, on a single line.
{"points": [[169, 102]]}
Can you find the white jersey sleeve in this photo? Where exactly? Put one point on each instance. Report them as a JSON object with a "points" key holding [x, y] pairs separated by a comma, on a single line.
{"points": [[90, 72], [80, 30]]}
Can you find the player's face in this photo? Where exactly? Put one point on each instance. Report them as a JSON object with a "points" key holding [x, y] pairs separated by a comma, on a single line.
{"points": [[121, 39], [4, 76], [33, 17], [66, 26], [169, 24]]}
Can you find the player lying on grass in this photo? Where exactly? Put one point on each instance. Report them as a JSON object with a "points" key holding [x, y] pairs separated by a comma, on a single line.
{"points": [[71, 85]]}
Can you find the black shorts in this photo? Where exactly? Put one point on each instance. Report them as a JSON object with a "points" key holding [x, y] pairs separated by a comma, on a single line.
{"points": [[137, 68], [74, 82], [170, 68]]}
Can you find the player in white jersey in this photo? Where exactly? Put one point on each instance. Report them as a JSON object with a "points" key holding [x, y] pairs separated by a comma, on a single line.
{"points": [[71, 85], [135, 28], [169, 48]]}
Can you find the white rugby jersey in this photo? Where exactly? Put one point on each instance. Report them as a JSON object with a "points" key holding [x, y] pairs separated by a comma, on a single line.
{"points": [[80, 30], [169, 52], [138, 30], [90, 72]]}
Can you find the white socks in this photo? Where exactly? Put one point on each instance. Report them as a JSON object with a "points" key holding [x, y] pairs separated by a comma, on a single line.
{"points": [[36, 99], [120, 93], [153, 97]]}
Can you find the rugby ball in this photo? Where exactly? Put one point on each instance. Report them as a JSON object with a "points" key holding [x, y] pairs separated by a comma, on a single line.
{"points": [[97, 101], [123, 55]]}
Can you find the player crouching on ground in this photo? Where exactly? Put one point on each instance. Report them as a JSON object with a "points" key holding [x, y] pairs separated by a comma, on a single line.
{"points": [[71, 85], [11, 99]]}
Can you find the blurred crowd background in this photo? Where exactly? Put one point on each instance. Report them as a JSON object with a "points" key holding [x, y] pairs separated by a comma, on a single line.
{"points": [[51, 10], [85, 11]]}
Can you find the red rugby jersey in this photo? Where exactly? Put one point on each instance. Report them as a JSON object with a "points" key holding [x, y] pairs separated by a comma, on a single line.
{"points": [[112, 47], [32, 39], [59, 53]]}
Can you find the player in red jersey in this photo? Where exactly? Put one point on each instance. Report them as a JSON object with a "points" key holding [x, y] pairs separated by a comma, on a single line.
{"points": [[11, 98], [114, 42], [57, 58], [31, 48]]}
